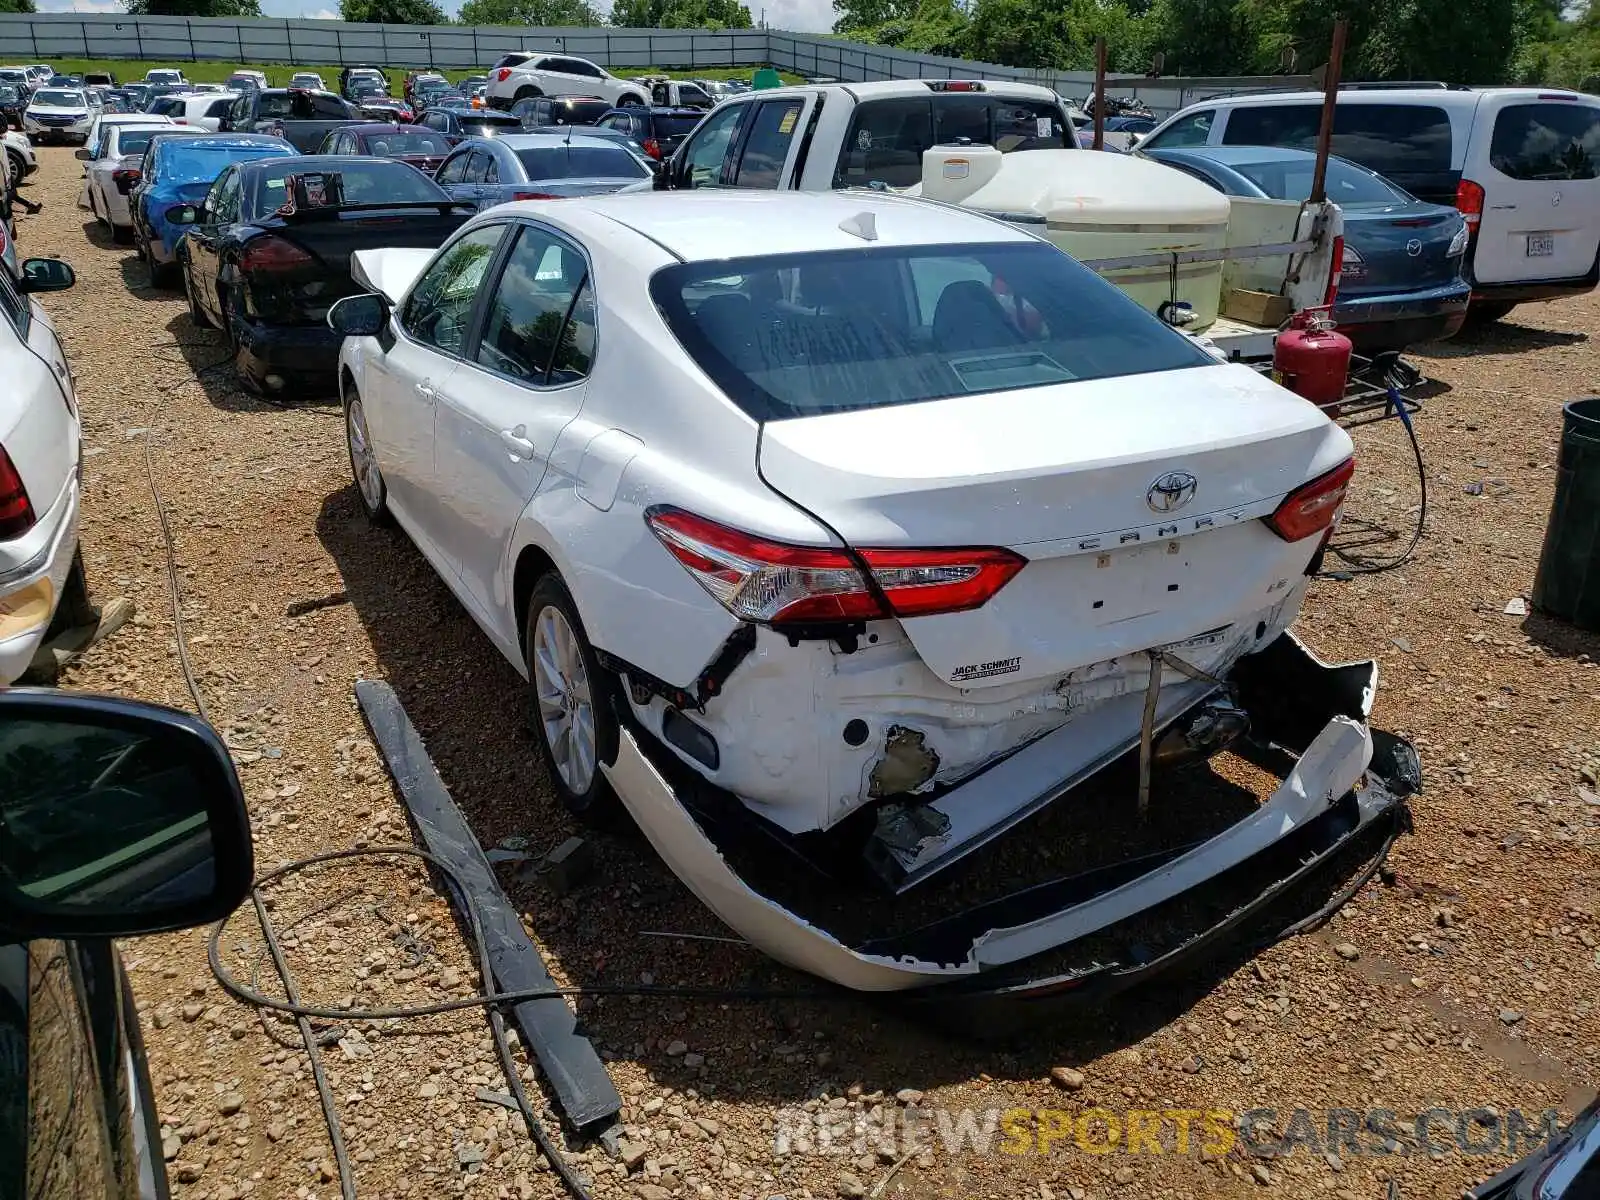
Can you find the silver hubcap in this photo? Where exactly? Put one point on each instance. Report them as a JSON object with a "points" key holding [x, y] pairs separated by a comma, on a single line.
{"points": [[361, 458], [565, 708]]}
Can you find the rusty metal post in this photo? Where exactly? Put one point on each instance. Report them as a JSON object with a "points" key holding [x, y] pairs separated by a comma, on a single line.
{"points": [[1330, 100], [1099, 94]]}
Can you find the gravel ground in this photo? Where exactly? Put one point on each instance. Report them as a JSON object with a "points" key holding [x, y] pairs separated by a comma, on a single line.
{"points": [[1467, 979]]}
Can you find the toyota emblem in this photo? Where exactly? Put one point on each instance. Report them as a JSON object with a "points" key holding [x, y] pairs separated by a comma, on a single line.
{"points": [[1171, 492], [1414, 247]]}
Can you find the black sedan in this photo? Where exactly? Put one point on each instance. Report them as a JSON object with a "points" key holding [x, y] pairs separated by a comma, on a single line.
{"points": [[269, 251], [12, 104], [461, 121]]}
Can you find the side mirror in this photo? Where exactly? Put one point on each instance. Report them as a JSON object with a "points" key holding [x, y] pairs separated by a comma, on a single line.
{"points": [[83, 153], [183, 214], [120, 818], [359, 316], [45, 275]]}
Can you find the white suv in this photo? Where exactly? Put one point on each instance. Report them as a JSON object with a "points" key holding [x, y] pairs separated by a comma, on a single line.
{"points": [[519, 76], [1522, 164]]}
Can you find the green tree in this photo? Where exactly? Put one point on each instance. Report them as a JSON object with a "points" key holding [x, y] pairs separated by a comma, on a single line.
{"points": [[393, 12], [185, 8], [17, 6], [528, 12], [680, 14]]}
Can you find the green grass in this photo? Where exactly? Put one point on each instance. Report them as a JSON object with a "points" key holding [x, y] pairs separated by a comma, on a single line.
{"points": [[132, 70]]}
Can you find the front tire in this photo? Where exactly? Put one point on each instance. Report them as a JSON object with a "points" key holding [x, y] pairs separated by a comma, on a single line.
{"points": [[572, 718], [19, 166], [370, 487]]}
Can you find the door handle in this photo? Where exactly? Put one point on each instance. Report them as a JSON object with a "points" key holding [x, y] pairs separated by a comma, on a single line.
{"points": [[518, 446], [426, 393]]}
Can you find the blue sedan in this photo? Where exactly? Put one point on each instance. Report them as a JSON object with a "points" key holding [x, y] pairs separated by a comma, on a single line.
{"points": [[1401, 283], [180, 170]]}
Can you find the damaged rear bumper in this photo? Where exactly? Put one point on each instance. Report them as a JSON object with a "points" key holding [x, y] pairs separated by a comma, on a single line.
{"points": [[1344, 779]]}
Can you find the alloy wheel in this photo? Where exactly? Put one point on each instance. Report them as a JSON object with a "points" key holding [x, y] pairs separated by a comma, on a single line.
{"points": [[362, 460], [566, 707]]}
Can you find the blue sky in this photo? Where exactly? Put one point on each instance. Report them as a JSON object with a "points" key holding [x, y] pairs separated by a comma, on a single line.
{"points": [[806, 16]]}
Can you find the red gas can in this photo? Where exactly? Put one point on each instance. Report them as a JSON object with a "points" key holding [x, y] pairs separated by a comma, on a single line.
{"points": [[1312, 359]]}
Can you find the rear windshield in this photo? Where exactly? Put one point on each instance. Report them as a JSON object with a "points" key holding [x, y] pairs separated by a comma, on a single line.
{"points": [[14, 76], [8, 94], [674, 126], [1546, 141], [578, 112], [370, 182], [200, 164], [478, 122], [165, 106], [302, 106], [802, 334], [60, 99], [887, 137], [581, 162], [134, 141], [393, 145], [1386, 138], [1346, 184]]}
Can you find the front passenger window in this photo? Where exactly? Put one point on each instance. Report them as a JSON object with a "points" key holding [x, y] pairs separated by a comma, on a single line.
{"points": [[440, 307]]}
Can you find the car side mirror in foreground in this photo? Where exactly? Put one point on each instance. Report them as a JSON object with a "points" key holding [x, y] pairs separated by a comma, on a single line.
{"points": [[183, 214], [45, 275], [359, 316], [84, 153], [117, 818]]}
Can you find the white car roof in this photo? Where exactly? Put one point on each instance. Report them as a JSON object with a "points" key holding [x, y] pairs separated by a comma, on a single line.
{"points": [[1438, 97], [139, 118], [880, 89], [709, 225]]}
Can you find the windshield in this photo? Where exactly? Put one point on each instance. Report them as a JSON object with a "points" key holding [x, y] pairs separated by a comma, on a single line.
{"points": [[371, 181], [802, 334], [60, 99], [393, 145], [581, 162], [164, 76], [13, 77], [201, 164], [1347, 184]]}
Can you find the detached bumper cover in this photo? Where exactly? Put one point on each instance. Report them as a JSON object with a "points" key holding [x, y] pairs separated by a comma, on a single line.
{"points": [[1338, 787], [305, 356]]}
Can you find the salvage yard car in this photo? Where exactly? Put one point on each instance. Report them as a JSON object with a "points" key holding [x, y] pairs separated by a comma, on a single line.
{"points": [[120, 150], [59, 115], [268, 250], [948, 519], [41, 572], [541, 165]]}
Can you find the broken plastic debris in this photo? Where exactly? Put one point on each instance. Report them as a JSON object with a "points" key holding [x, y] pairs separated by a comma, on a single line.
{"points": [[1516, 607]]}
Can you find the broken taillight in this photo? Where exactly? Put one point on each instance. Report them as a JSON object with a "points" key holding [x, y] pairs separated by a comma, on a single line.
{"points": [[16, 510], [271, 254], [651, 147], [1312, 507], [775, 583]]}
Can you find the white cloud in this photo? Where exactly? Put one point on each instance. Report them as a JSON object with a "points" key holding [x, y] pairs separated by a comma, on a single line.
{"points": [[322, 14], [83, 6], [799, 16]]}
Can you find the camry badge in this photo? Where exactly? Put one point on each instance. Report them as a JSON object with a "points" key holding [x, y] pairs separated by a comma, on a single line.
{"points": [[1171, 491]]}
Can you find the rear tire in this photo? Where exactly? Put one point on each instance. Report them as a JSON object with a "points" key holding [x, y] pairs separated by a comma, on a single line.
{"points": [[573, 718], [527, 93], [630, 101]]}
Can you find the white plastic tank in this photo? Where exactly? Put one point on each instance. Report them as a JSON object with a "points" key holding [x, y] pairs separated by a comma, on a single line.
{"points": [[952, 173], [1098, 205]]}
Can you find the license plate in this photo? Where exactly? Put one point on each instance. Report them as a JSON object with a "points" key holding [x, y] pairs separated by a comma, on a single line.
{"points": [[1541, 245]]}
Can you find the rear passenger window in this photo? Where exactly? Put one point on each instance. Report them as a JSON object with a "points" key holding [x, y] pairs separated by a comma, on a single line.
{"points": [[885, 143], [1386, 138], [1546, 141], [529, 332], [767, 147]]}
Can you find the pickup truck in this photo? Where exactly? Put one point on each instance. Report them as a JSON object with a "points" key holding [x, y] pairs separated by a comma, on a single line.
{"points": [[1230, 272], [303, 117]]}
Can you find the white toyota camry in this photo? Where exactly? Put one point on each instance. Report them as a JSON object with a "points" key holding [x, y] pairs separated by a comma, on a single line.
{"points": [[877, 524]]}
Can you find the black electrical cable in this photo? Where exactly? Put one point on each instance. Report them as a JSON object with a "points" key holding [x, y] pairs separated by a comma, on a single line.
{"points": [[1358, 564]]}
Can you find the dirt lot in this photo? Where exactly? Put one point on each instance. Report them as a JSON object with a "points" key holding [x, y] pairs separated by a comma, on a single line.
{"points": [[1467, 980]]}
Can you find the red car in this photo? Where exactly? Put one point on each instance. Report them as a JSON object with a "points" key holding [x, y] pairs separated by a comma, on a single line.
{"points": [[423, 148]]}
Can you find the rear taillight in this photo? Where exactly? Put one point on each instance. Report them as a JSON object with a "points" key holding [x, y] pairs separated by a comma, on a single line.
{"points": [[1314, 506], [1335, 269], [776, 583], [534, 196], [503, 74], [16, 510], [272, 254], [652, 147], [125, 181], [1354, 268], [1469, 202]]}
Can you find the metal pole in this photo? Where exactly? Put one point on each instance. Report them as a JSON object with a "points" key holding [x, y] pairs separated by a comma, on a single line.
{"points": [[1099, 93], [1330, 99]]}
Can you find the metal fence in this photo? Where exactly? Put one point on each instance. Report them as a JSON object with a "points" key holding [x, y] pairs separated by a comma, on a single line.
{"points": [[43, 37]]}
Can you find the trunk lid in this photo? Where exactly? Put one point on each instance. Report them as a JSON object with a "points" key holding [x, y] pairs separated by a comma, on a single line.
{"points": [[302, 294], [1136, 501], [1402, 248], [563, 189]]}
